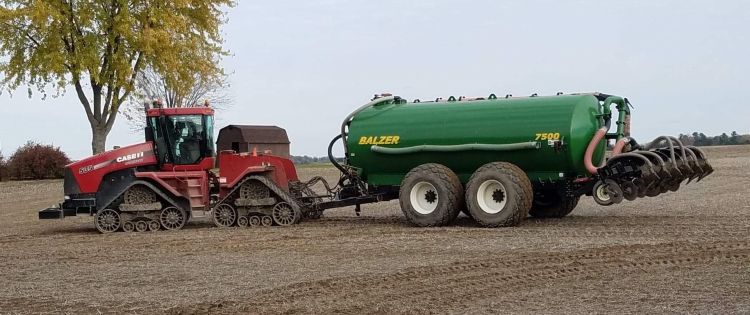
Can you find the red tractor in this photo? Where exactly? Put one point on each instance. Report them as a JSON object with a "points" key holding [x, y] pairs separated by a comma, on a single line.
{"points": [[167, 180]]}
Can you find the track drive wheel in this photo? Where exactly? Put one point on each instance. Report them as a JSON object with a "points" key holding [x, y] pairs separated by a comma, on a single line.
{"points": [[285, 214], [173, 218], [107, 220], [431, 195], [224, 215], [497, 194]]}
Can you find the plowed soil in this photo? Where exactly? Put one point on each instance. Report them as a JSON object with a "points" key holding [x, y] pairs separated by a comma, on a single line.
{"points": [[683, 252]]}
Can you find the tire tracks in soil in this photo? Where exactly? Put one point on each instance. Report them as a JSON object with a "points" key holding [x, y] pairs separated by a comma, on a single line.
{"points": [[426, 287]]}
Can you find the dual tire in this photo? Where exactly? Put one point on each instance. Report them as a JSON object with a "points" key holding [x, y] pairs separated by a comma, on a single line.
{"points": [[497, 194]]}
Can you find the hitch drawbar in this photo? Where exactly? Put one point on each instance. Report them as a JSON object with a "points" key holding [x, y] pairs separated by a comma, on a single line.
{"points": [[56, 213]]}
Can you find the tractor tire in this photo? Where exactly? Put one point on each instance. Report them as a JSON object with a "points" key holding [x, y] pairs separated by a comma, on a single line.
{"points": [[430, 195], [498, 194], [552, 205]]}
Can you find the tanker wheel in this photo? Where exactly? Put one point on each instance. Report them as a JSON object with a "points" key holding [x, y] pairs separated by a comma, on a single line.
{"points": [[497, 195], [284, 214], [107, 221], [139, 194], [173, 218], [552, 205], [254, 189], [430, 195], [224, 215]]}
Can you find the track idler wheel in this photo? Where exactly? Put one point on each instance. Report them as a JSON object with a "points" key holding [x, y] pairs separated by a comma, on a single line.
{"points": [[285, 214], [607, 192], [107, 221], [224, 215], [172, 218]]}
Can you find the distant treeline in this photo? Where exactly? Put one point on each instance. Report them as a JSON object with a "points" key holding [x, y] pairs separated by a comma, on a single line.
{"points": [[700, 139], [304, 159]]}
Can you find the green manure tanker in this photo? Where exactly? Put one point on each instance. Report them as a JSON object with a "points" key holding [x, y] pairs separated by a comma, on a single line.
{"points": [[500, 159]]}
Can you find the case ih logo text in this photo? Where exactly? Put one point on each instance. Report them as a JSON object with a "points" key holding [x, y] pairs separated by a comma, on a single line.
{"points": [[129, 157]]}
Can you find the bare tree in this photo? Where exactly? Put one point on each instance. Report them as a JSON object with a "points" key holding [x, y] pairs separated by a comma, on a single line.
{"points": [[150, 86]]}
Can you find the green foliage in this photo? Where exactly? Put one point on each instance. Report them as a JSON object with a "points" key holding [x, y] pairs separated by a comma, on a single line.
{"points": [[37, 161], [700, 139], [103, 45]]}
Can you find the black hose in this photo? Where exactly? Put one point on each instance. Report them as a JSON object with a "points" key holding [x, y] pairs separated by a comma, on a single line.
{"points": [[332, 158]]}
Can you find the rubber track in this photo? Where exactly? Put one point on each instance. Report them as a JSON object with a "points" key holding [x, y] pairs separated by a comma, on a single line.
{"points": [[271, 185], [455, 195]]}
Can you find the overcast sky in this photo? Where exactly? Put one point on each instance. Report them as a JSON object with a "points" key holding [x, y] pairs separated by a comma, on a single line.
{"points": [[304, 65]]}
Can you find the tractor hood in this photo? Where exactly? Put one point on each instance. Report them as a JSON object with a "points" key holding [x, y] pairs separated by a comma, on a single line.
{"points": [[84, 176]]}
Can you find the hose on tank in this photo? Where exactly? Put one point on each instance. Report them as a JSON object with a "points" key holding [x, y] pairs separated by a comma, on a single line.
{"points": [[589, 155]]}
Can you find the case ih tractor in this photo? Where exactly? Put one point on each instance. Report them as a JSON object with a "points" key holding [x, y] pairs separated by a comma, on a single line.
{"points": [[165, 181], [498, 160]]}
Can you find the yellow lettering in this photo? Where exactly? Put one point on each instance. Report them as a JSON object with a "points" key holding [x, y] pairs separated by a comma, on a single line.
{"points": [[388, 140], [363, 140], [395, 139]]}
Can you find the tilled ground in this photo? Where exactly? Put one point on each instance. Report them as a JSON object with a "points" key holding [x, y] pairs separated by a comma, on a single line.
{"points": [[684, 252]]}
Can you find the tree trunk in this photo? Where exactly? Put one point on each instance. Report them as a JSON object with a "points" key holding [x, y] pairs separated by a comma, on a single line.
{"points": [[98, 139]]}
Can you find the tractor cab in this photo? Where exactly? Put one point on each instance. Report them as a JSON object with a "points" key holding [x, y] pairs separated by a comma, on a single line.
{"points": [[182, 137]]}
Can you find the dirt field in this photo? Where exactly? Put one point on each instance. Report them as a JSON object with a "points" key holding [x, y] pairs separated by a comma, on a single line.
{"points": [[684, 252]]}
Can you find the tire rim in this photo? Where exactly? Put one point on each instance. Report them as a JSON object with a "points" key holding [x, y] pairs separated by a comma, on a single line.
{"points": [[602, 194], [172, 218], [224, 215], [283, 214], [108, 221], [424, 198], [492, 196]]}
